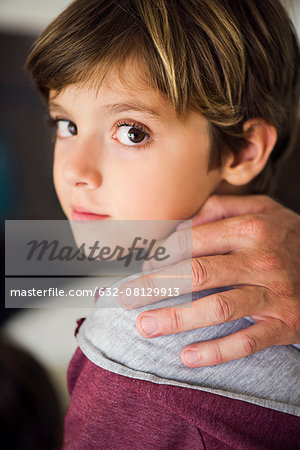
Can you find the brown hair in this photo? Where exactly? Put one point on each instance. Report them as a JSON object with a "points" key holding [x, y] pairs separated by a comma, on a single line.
{"points": [[229, 60]]}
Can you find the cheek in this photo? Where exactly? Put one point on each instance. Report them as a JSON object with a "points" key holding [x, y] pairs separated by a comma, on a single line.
{"points": [[132, 190], [163, 189]]}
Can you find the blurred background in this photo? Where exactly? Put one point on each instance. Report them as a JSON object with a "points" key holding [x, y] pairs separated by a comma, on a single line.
{"points": [[26, 192], [36, 345]]}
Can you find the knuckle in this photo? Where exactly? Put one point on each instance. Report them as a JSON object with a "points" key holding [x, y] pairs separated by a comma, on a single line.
{"points": [[216, 354], [149, 283], [282, 288], [221, 309], [276, 330], [293, 324], [183, 240], [268, 261], [291, 321], [255, 226], [175, 320], [200, 271], [249, 344]]}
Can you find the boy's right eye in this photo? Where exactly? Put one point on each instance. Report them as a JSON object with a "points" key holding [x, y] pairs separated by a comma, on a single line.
{"points": [[64, 128]]}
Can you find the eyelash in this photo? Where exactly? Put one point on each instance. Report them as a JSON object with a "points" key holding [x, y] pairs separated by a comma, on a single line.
{"points": [[53, 123]]}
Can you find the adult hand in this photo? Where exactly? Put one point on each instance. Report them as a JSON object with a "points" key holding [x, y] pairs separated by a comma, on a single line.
{"points": [[252, 242]]}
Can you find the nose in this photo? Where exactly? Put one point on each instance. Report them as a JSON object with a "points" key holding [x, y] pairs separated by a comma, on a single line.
{"points": [[81, 167]]}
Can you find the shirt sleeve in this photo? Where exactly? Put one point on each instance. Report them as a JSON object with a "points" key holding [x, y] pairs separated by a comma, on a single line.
{"points": [[111, 411], [105, 414]]}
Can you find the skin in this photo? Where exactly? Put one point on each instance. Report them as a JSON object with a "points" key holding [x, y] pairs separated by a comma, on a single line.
{"points": [[94, 169], [261, 239], [97, 168]]}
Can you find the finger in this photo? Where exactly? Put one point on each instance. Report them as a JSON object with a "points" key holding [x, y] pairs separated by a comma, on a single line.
{"points": [[186, 277], [210, 310], [219, 207], [255, 338], [220, 237], [178, 247], [153, 257], [168, 282]]}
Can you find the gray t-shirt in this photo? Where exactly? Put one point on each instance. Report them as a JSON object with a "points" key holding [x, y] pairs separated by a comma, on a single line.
{"points": [[269, 378]]}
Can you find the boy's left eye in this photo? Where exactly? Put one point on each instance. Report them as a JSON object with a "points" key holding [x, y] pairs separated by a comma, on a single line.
{"points": [[64, 128]]}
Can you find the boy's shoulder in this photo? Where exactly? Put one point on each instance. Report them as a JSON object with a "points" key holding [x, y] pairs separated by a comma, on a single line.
{"points": [[122, 412]]}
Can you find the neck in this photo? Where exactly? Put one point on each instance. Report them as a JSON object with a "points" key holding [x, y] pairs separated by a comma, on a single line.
{"points": [[225, 188]]}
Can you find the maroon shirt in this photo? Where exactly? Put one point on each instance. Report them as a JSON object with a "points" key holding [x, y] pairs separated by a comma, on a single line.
{"points": [[110, 411]]}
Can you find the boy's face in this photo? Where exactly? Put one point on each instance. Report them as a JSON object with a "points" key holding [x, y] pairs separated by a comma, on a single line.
{"points": [[125, 162]]}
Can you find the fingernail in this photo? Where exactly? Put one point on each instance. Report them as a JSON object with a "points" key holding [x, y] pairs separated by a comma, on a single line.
{"points": [[191, 356], [149, 325]]}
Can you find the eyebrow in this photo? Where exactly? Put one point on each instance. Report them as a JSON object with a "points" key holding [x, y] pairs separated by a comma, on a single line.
{"points": [[139, 107], [117, 108]]}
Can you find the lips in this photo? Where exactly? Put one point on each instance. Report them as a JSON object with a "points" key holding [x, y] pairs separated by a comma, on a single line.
{"points": [[79, 213]]}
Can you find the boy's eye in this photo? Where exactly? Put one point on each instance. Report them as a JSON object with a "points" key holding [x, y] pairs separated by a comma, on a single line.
{"points": [[64, 128], [131, 134]]}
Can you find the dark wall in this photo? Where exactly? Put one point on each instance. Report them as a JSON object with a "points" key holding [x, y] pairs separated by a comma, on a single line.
{"points": [[288, 185], [26, 192], [26, 149], [26, 188]]}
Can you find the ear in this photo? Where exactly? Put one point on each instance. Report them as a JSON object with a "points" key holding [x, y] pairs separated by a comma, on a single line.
{"points": [[249, 162]]}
